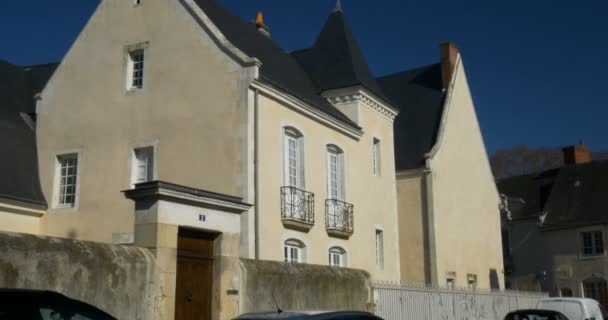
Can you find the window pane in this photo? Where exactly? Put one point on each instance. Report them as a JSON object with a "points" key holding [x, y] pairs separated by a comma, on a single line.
{"points": [[599, 243]]}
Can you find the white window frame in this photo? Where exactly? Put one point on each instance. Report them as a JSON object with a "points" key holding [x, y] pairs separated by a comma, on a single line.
{"points": [[337, 257], [472, 281], [293, 158], [294, 251], [335, 176], [377, 157], [379, 240], [450, 279], [150, 164], [58, 180], [594, 248], [130, 52]]}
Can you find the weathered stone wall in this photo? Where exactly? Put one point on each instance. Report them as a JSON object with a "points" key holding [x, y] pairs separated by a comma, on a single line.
{"points": [[302, 287], [117, 279]]}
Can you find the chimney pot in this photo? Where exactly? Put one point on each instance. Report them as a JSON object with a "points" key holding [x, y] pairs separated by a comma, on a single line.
{"points": [[260, 25], [449, 55]]}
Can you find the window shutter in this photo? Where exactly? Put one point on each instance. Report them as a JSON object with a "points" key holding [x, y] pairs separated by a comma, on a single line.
{"points": [[328, 173], [150, 164], [341, 182], [285, 159], [301, 164]]}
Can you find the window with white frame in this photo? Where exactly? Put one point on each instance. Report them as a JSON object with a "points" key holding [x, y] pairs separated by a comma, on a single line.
{"points": [[376, 157], [294, 251], [337, 257], [67, 176], [450, 279], [379, 249], [592, 243], [142, 168], [135, 69], [472, 281], [293, 158], [335, 173]]}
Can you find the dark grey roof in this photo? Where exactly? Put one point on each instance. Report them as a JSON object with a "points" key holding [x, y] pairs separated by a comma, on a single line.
{"points": [[570, 196], [336, 61], [279, 68], [419, 96], [534, 189], [19, 180]]}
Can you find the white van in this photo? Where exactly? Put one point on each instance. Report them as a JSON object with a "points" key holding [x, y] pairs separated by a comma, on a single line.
{"points": [[574, 308]]}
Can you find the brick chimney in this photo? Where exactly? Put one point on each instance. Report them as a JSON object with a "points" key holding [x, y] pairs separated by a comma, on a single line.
{"points": [[260, 25], [449, 54], [577, 154]]}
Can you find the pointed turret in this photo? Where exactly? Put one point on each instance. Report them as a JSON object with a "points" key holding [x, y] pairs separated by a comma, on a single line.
{"points": [[336, 61]]}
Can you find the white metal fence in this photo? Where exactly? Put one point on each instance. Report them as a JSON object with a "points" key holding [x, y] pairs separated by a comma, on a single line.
{"points": [[396, 302]]}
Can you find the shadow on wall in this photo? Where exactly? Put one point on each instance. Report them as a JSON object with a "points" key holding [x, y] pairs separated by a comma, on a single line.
{"points": [[494, 282]]}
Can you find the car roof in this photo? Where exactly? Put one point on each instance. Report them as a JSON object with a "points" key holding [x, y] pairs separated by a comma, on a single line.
{"points": [[539, 311], [568, 299]]}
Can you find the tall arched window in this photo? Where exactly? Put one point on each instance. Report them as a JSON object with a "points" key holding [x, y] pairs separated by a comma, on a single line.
{"points": [[335, 173], [337, 257], [293, 158], [294, 251]]}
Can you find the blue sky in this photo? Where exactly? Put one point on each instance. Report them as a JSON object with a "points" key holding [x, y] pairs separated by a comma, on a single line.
{"points": [[538, 69]]}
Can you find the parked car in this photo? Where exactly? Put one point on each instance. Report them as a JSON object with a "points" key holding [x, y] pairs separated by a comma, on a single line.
{"points": [[303, 315], [17, 304], [575, 308], [535, 315]]}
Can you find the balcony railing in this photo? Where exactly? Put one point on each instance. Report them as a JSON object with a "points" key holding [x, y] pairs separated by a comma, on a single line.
{"points": [[339, 218], [297, 208]]}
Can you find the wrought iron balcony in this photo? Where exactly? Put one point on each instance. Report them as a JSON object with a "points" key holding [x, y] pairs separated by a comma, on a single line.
{"points": [[339, 218], [297, 208]]}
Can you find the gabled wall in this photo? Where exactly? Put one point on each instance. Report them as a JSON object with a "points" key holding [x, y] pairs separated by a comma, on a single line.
{"points": [[465, 202], [192, 108]]}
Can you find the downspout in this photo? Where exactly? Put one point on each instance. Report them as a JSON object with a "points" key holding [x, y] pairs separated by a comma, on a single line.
{"points": [[432, 271], [256, 210]]}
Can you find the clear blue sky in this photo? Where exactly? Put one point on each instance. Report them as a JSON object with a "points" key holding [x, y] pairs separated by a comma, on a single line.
{"points": [[538, 69]]}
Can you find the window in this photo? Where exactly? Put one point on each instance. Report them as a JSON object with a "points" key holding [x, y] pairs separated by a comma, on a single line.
{"points": [[472, 281], [137, 2], [337, 257], [379, 249], [376, 157], [293, 158], [67, 180], [293, 251], [451, 279], [597, 289], [135, 69], [142, 168], [592, 243], [335, 173], [566, 292]]}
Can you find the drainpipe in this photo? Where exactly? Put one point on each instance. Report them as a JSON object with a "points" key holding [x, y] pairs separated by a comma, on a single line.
{"points": [[256, 174]]}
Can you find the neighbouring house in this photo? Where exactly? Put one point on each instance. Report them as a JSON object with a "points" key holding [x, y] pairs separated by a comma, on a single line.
{"points": [[175, 125], [449, 224], [556, 226], [22, 202]]}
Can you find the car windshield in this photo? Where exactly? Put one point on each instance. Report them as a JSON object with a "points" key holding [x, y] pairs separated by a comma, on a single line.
{"points": [[534, 315]]}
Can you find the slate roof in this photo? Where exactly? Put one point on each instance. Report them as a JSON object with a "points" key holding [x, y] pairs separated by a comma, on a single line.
{"points": [[419, 96], [336, 61], [279, 68], [571, 196], [19, 180]]}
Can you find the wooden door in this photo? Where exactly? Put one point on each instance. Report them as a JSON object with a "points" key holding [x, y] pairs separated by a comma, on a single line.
{"points": [[194, 276]]}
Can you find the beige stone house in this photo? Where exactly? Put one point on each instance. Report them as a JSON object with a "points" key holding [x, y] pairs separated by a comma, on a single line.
{"points": [[449, 223], [177, 126], [556, 228]]}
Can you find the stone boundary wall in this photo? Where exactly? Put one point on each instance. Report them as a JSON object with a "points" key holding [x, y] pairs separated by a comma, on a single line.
{"points": [[302, 287], [120, 280]]}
